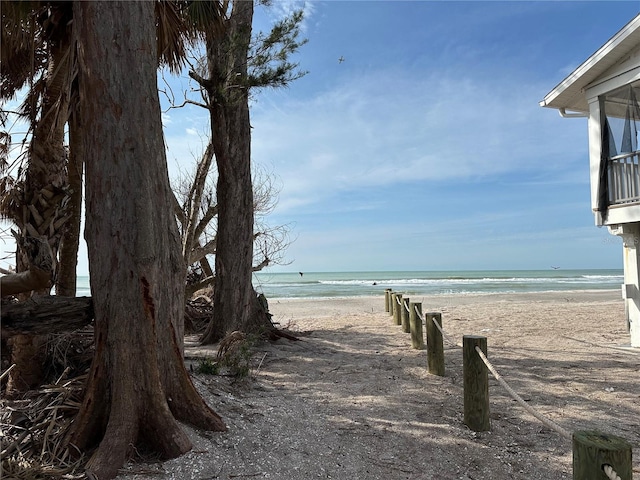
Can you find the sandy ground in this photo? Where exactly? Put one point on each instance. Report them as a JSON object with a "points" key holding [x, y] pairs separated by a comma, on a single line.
{"points": [[353, 400]]}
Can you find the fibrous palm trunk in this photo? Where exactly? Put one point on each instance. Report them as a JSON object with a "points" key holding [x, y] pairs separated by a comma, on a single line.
{"points": [[42, 200]]}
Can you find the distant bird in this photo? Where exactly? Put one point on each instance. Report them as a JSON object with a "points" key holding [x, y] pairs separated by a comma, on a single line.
{"points": [[341, 59], [301, 273], [555, 268]]}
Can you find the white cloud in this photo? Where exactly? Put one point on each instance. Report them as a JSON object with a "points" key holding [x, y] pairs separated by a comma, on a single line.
{"points": [[284, 8], [393, 127]]}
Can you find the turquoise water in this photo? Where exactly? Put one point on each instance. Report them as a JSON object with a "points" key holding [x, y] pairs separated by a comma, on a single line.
{"points": [[353, 284], [349, 284]]}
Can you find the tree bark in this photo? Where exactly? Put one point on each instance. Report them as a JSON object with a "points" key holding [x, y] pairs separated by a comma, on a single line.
{"points": [[66, 279], [227, 53], [26, 354], [138, 385]]}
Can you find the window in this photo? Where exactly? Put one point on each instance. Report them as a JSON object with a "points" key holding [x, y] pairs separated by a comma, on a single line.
{"points": [[621, 119]]}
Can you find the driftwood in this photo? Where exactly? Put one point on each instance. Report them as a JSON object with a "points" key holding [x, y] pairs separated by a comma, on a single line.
{"points": [[32, 279], [39, 259], [46, 314]]}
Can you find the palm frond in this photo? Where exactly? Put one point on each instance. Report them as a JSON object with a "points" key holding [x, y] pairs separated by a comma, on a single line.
{"points": [[207, 16], [5, 142], [17, 70], [18, 24], [10, 202], [30, 106], [21, 47], [171, 34]]}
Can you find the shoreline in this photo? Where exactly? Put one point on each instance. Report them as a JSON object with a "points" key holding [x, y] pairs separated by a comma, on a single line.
{"points": [[323, 306], [597, 292]]}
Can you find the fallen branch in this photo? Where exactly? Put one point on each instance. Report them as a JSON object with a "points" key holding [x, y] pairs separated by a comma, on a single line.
{"points": [[39, 273], [46, 314], [33, 279]]}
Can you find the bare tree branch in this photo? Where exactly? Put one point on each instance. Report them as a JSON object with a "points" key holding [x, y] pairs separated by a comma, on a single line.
{"points": [[195, 198], [199, 252], [260, 266], [194, 287], [177, 209], [211, 212]]}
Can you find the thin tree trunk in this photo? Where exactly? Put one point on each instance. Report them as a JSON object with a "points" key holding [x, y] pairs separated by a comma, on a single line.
{"points": [[138, 384], [66, 279]]}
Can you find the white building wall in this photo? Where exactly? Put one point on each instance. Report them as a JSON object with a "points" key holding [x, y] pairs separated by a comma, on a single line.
{"points": [[630, 234]]}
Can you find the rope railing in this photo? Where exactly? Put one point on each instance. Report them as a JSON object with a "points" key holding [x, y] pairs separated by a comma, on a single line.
{"points": [[400, 303], [549, 423], [608, 447], [554, 426], [447, 337], [610, 472], [6, 372]]}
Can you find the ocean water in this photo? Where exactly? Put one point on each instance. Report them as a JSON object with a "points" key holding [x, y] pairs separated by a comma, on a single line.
{"points": [[353, 284]]}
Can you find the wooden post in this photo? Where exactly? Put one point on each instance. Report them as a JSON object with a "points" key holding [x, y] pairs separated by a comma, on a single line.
{"points": [[415, 322], [397, 308], [476, 384], [593, 450], [392, 303], [387, 300], [404, 315], [435, 346]]}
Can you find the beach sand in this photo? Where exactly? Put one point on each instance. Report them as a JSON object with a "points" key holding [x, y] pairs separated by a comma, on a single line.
{"points": [[353, 400]]}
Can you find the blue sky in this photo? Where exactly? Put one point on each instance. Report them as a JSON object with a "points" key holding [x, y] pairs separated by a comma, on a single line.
{"points": [[426, 149]]}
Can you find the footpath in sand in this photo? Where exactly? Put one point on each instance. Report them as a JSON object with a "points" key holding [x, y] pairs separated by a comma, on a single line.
{"points": [[352, 400]]}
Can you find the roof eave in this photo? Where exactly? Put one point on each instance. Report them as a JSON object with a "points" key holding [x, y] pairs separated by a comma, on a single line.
{"points": [[563, 96]]}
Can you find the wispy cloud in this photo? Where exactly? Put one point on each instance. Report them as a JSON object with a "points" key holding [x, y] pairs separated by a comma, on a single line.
{"points": [[400, 126], [284, 8]]}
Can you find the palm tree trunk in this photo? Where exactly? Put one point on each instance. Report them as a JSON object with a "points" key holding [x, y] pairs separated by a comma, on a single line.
{"points": [[43, 201]]}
